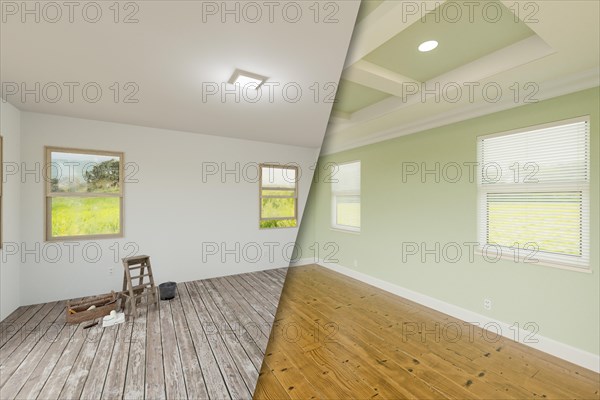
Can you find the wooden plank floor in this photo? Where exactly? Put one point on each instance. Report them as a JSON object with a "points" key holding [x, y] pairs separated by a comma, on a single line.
{"points": [[338, 338], [207, 343]]}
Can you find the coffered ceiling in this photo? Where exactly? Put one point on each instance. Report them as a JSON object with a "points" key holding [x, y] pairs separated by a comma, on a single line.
{"points": [[492, 55]]}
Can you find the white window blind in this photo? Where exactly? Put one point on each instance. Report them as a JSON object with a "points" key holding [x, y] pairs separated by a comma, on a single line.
{"points": [[345, 190], [534, 193]]}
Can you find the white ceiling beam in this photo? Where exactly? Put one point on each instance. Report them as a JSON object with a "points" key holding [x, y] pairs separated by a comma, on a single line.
{"points": [[385, 22], [517, 54], [376, 77], [581, 81], [523, 52], [339, 117]]}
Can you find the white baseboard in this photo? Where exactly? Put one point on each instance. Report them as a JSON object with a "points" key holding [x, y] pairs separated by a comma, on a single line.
{"points": [[566, 352]]}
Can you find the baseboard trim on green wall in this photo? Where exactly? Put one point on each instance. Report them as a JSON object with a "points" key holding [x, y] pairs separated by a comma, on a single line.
{"points": [[566, 352]]}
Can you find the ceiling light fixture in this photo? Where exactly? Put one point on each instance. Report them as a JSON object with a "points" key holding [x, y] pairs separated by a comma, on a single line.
{"points": [[244, 78], [428, 46]]}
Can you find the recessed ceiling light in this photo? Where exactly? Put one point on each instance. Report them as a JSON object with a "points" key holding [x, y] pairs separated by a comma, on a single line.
{"points": [[428, 46], [244, 78]]}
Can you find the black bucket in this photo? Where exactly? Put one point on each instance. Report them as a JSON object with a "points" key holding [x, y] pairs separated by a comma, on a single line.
{"points": [[167, 290]]}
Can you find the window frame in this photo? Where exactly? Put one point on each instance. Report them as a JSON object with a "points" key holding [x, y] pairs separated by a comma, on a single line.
{"points": [[261, 197], [556, 260], [335, 195], [48, 195]]}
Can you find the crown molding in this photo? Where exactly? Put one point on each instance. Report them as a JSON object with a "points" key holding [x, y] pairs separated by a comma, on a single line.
{"points": [[574, 83]]}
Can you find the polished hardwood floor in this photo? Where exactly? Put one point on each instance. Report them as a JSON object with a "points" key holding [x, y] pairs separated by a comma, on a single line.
{"points": [[338, 338], [207, 343]]}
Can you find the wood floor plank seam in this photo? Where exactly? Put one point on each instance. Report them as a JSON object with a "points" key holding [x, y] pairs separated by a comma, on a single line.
{"points": [[307, 319], [157, 390], [26, 358], [250, 300], [135, 380], [504, 341], [548, 359], [223, 376], [79, 383], [174, 377], [25, 331], [90, 385], [56, 389], [195, 386], [372, 343], [408, 370], [242, 362], [32, 370], [197, 345], [369, 343], [258, 295], [233, 377], [35, 386], [215, 384], [12, 318], [117, 372], [18, 323], [245, 307], [265, 292], [233, 319], [529, 394], [246, 310], [245, 321], [265, 281], [254, 301], [109, 361], [275, 281]]}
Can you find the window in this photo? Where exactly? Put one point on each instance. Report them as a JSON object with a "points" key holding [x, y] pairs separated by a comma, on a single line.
{"points": [[345, 189], [534, 193], [278, 196], [84, 195]]}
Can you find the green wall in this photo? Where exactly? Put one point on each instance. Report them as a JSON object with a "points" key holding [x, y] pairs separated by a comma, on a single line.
{"points": [[564, 304]]}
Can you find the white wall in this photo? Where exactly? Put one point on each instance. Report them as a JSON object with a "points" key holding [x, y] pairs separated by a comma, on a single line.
{"points": [[10, 128], [169, 213]]}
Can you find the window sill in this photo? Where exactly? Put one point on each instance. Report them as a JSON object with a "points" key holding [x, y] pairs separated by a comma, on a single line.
{"points": [[586, 270], [354, 232], [277, 227], [83, 238]]}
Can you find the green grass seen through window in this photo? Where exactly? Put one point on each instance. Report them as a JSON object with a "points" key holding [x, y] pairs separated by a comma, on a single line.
{"points": [[278, 223], [80, 216], [553, 227]]}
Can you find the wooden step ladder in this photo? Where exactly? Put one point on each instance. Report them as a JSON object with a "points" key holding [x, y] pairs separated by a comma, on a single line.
{"points": [[133, 292]]}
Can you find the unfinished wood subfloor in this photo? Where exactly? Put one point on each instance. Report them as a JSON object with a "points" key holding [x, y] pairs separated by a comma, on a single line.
{"points": [[207, 343], [338, 338]]}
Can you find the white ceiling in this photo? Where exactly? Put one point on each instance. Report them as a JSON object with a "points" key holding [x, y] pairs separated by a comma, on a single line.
{"points": [[171, 53], [562, 57]]}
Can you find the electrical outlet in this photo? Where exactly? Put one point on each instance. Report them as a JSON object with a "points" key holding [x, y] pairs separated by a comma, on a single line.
{"points": [[487, 304], [355, 263], [111, 270]]}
